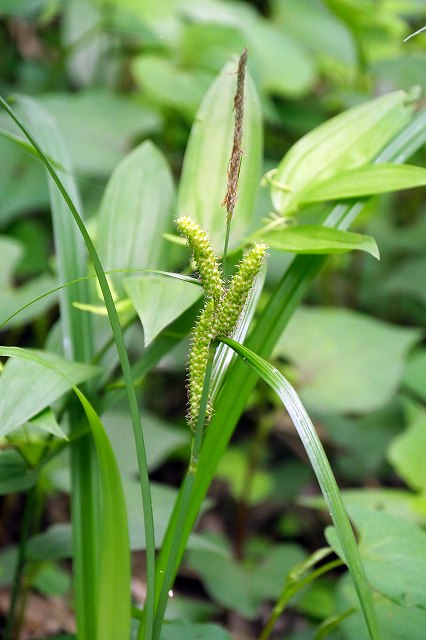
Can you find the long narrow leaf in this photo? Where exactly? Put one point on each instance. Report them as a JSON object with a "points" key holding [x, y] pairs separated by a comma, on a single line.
{"points": [[77, 344], [322, 469], [365, 181], [283, 301], [112, 619], [114, 574], [125, 364]]}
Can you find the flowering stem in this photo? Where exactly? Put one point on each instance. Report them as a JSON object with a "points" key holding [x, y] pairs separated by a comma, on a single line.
{"points": [[225, 248], [173, 559]]}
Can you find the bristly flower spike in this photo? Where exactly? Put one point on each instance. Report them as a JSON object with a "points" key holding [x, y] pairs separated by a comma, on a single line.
{"points": [[235, 298], [207, 264], [203, 335], [222, 308]]}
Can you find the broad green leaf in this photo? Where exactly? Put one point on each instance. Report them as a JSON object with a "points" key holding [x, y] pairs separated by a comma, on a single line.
{"points": [[390, 546], [22, 8], [204, 174], [323, 472], [159, 300], [397, 502], [397, 622], [362, 441], [415, 375], [314, 26], [316, 239], [272, 49], [269, 48], [349, 140], [163, 81], [53, 544], [135, 211], [178, 629], [243, 586], [23, 195], [210, 45], [51, 579], [46, 421], [99, 126], [163, 500], [28, 385], [161, 440], [402, 72], [408, 279], [347, 362], [14, 298], [233, 470], [15, 475], [407, 452], [113, 613], [364, 181]]}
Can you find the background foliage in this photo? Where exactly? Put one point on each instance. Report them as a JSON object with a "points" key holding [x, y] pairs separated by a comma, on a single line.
{"points": [[121, 82]]}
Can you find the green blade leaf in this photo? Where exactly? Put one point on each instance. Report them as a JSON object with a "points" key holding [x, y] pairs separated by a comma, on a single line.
{"points": [[324, 474], [159, 300], [46, 421], [349, 140], [204, 173], [15, 475], [114, 584], [316, 239], [135, 211], [125, 365], [114, 580], [17, 405], [365, 181], [288, 293]]}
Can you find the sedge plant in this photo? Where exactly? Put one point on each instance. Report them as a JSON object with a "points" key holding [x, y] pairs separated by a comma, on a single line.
{"points": [[217, 387]]}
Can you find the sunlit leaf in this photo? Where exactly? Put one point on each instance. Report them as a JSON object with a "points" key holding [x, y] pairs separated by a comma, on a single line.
{"points": [[136, 209], [349, 140], [364, 181], [159, 300], [28, 385], [316, 239], [114, 580], [323, 472], [98, 126]]}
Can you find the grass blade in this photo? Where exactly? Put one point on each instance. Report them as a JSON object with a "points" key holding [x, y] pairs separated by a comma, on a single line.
{"points": [[283, 302], [112, 617], [125, 364], [322, 469], [77, 344]]}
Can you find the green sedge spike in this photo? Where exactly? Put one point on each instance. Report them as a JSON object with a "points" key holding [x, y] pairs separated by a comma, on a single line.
{"points": [[203, 335], [207, 263], [233, 301], [222, 308]]}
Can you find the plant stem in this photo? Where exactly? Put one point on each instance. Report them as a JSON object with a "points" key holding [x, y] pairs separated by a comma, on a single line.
{"points": [[225, 248], [20, 564], [289, 591], [185, 501]]}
